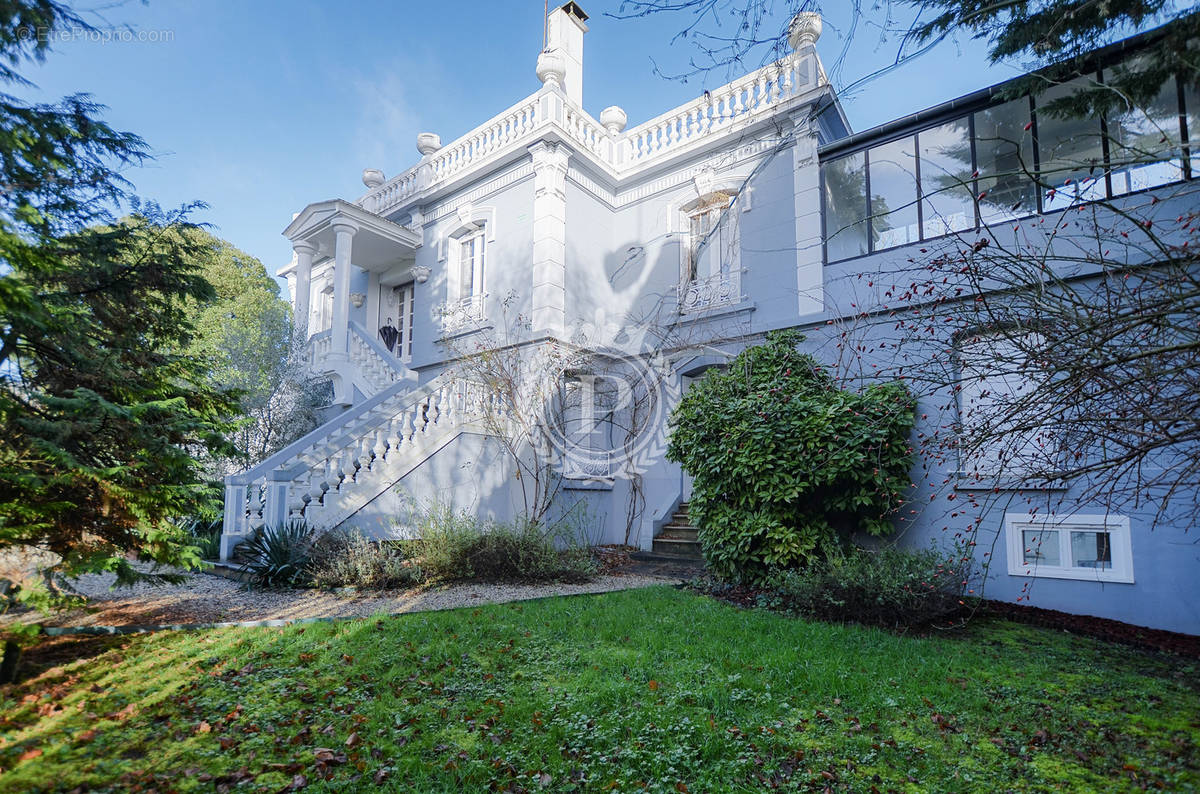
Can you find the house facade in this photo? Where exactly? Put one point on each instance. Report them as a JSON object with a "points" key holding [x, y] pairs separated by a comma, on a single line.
{"points": [[682, 240]]}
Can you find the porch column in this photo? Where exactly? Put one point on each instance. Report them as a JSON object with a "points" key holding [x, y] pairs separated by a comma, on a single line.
{"points": [[344, 231], [301, 307]]}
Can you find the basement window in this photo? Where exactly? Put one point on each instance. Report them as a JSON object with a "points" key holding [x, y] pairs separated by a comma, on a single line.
{"points": [[1088, 547]]}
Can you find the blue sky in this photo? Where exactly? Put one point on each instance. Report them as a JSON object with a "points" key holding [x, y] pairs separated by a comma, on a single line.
{"points": [[260, 108]]}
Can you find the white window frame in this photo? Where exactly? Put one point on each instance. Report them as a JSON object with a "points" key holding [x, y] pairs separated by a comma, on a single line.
{"points": [[473, 247], [1120, 546], [587, 429], [723, 240]]}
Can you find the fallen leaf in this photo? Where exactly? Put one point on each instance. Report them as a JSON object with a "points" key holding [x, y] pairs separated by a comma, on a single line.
{"points": [[203, 727], [353, 740], [652, 684], [31, 754]]}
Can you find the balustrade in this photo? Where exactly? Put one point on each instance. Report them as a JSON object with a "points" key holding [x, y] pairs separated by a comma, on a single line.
{"points": [[714, 112]]}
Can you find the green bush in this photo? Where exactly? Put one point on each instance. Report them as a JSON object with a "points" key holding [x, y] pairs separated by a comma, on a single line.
{"points": [[351, 559], [786, 465], [454, 546], [277, 556], [205, 534], [889, 588]]}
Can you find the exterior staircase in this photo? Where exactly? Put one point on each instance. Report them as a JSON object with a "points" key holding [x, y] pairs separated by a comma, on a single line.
{"points": [[678, 543], [333, 472]]}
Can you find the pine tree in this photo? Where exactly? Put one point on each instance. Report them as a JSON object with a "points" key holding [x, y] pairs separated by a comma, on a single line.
{"points": [[103, 414]]}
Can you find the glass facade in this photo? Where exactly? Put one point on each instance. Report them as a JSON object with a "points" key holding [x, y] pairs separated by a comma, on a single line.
{"points": [[845, 197], [1003, 162]]}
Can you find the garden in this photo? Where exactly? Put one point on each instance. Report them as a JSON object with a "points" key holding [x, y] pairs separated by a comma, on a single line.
{"points": [[651, 690]]}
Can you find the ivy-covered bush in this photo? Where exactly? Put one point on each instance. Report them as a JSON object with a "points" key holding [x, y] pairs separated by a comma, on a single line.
{"points": [[786, 465]]}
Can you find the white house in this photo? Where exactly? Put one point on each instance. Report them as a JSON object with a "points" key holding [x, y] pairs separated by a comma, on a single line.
{"points": [[714, 220]]}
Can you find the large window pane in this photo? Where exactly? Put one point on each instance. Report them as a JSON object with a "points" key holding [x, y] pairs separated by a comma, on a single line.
{"points": [[845, 207], [1144, 142], [1041, 547], [1004, 152], [1191, 107], [893, 193], [1070, 151], [947, 191], [1091, 550]]}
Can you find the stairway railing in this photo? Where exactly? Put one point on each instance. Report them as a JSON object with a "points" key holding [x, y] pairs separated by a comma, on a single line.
{"points": [[396, 429]]}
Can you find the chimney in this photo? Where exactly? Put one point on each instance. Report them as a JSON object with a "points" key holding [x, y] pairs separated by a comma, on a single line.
{"points": [[564, 32]]}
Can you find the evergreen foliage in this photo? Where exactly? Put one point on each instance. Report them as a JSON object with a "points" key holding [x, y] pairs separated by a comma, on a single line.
{"points": [[103, 413], [787, 466]]}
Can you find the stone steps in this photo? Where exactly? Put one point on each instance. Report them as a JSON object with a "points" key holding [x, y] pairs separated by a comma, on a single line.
{"points": [[678, 540]]}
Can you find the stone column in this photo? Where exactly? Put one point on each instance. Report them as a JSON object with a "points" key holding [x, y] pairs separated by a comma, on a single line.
{"points": [[344, 231], [301, 307], [806, 185], [549, 238]]}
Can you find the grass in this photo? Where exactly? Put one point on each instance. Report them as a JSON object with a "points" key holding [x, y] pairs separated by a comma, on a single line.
{"points": [[657, 689]]}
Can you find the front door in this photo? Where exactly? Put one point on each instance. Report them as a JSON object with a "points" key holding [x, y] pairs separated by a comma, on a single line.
{"points": [[396, 319]]}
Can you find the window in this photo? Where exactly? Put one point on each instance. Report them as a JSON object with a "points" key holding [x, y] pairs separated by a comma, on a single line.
{"points": [[709, 238], [1092, 547], [471, 254], [587, 420], [1001, 434], [1004, 157], [1070, 151], [845, 190], [947, 189], [710, 257], [893, 180], [1144, 144]]}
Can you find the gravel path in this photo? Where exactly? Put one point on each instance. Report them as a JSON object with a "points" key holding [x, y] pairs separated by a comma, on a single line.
{"points": [[205, 598]]}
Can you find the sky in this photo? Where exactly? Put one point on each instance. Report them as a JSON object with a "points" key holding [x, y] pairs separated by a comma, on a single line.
{"points": [[259, 109]]}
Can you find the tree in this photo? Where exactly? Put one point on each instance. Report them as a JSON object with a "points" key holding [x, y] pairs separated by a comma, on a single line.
{"points": [[245, 331], [104, 416]]}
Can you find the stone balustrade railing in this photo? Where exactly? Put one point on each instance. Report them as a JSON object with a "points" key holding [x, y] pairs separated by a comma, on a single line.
{"points": [[392, 432], [373, 362], [716, 113], [718, 110], [487, 138]]}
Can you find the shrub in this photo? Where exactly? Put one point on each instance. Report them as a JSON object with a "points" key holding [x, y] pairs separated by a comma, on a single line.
{"points": [[350, 559], [786, 465], [205, 534], [454, 546], [277, 556], [890, 588]]}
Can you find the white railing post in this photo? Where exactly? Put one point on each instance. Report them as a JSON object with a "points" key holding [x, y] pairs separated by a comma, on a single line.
{"points": [[233, 527], [275, 509]]}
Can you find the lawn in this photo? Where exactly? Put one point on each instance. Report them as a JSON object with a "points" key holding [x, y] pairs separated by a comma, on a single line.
{"points": [[656, 689]]}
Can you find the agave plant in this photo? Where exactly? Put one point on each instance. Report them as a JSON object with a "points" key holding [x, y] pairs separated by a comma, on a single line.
{"points": [[277, 556]]}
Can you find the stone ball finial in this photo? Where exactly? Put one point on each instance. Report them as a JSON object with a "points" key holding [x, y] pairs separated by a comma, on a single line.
{"points": [[373, 178], [804, 30], [428, 143], [613, 119], [551, 68]]}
